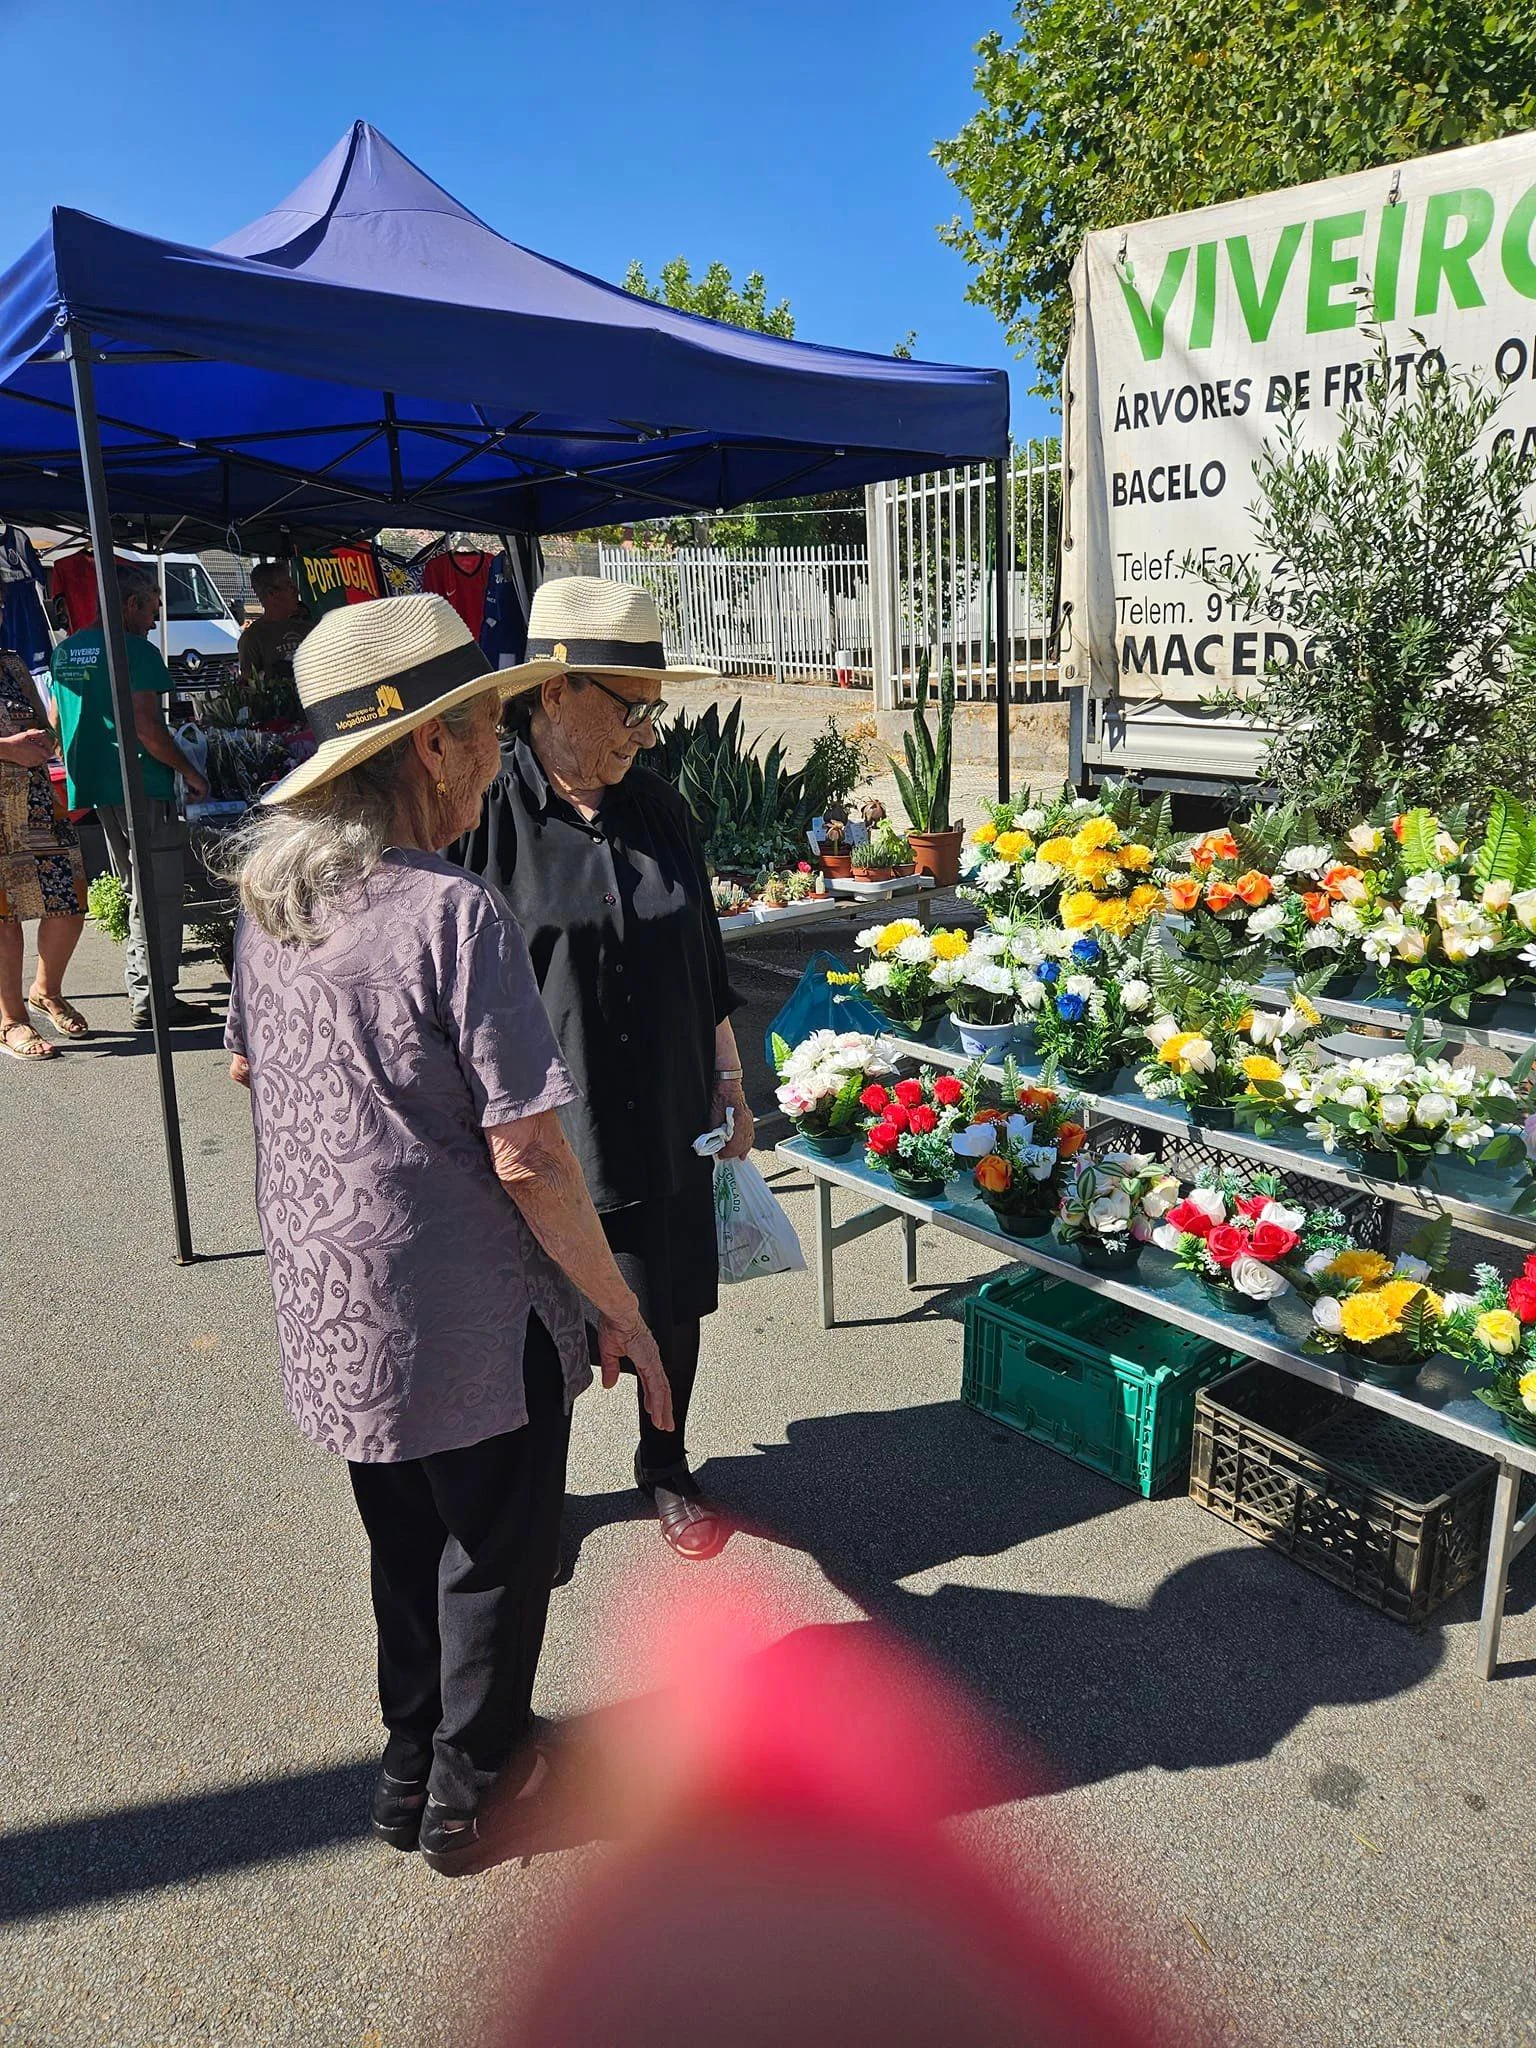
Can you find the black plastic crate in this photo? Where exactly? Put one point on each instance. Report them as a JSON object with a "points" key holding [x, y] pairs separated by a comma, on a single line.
{"points": [[1391, 1513]]}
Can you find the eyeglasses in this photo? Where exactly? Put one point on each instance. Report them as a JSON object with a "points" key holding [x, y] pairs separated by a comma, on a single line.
{"points": [[636, 712]]}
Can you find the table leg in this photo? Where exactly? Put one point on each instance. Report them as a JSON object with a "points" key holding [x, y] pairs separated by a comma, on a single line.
{"points": [[824, 1253], [909, 1240], [1506, 1502]]}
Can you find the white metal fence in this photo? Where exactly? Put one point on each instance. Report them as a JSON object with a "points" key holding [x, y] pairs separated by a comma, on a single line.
{"points": [[934, 576], [789, 613]]}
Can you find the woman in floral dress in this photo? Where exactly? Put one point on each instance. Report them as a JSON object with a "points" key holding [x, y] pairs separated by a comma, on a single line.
{"points": [[41, 877]]}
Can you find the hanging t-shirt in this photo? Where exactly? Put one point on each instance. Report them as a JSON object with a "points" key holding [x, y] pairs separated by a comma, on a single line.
{"points": [[82, 697], [504, 631], [72, 580], [344, 576], [462, 580], [23, 623]]}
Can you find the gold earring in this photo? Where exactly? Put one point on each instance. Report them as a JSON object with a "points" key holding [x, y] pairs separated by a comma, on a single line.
{"points": [[442, 787]]}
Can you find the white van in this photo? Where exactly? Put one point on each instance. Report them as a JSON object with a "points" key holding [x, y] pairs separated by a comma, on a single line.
{"points": [[199, 634]]}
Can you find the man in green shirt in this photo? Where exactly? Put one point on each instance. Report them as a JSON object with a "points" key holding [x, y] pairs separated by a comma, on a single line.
{"points": [[83, 710]]}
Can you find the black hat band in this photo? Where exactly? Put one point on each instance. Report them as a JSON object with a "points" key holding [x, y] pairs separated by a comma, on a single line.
{"points": [[581, 654], [368, 705]]}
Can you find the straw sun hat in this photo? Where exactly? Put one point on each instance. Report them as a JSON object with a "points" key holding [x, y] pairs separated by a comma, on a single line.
{"points": [[367, 674]]}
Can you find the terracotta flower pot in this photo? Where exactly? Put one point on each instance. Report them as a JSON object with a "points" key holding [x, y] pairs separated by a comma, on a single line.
{"points": [[836, 865], [937, 854]]}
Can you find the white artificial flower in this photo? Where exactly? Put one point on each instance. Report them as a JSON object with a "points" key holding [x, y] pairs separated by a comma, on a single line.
{"points": [[915, 951], [1523, 904], [1210, 1202], [1497, 895], [1346, 918], [1038, 1161], [1160, 1030], [1036, 875], [1032, 993], [1021, 1129], [1266, 1027], [1455, 1303], [1445, 846], [1410, 1268], [1433, 1110], [867, 938], [949, 974], [1394, 1111], [1305, 860], [1319, 1262], [1160, 1197], [1251, 1277], [1410, 945], [1199, 1056], [1328, 1314], [878, 975], [1366, 838], [992, 874], [1111, 1211], [1167, 1238], [1134, 995], [1324, 938], [1082, 985], [990, 976], [1353, 1097], [1269, 918], [1286, 1218], [1030, 820], [1419, 891], [975, 1141]]}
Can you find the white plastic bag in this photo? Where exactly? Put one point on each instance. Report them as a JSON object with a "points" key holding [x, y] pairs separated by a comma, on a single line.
{"points": [[752, 1233]]}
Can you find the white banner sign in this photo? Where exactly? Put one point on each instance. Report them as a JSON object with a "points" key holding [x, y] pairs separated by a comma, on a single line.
{"points": [[1193, 334]]}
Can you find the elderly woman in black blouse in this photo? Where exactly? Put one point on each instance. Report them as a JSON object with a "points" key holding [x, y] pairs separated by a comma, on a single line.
{"points": [[604, 874]]}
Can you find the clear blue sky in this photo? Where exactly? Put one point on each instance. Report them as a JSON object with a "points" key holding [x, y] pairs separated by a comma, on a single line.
{"points": [[791, 138]]}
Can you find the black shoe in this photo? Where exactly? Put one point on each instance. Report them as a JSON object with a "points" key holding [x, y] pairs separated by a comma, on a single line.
{"points": [[689, 1524], [458, 1841], [398, 1805], [178, 1013]]}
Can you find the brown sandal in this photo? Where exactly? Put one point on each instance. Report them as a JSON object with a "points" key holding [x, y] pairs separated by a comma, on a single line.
{"points": [[62, 1015], [31, 1046]]}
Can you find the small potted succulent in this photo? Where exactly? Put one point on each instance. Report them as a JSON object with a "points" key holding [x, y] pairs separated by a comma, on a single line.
{"points": [[835, 854], [883, 856], [1111, 1206], [733, 903]]}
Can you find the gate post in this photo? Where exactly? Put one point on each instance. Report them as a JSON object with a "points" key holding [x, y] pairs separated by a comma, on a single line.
{"points": [[882, 592]]}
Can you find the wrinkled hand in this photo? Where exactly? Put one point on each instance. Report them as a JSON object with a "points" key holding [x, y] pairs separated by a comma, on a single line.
{"points": [[614, 1342], [730, 1094], [31, 749], [240, 1070]]}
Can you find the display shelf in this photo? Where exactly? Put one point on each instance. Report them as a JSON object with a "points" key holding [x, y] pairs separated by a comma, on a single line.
{"points": [[1511, 1028]]}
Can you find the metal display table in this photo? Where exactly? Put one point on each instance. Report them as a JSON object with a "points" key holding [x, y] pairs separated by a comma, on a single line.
{"points": [[1441, 1400], [1511, 1027], [847, 904]]}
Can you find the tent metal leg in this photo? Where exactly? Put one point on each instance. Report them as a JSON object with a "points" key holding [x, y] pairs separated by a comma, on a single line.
{"points": [[77, 350], [1002, 566]]}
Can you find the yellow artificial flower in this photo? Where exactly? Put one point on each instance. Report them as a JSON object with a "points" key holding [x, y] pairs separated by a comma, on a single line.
{"points": [[1078, 910], [1171, 1051], [950, 945], [1090, 867], [1115, 916], [1013, 845], [890, 936], [1396, 1294], [1258, 1068], [1136, 857], [837, 980], [1364, 1266], [1528, 1391], [1057, 851], [1245, 1022], [1499, 1329], [1144, 899], [983, 835], [1363, 1320], [1305, 1008], [1094, 832]]}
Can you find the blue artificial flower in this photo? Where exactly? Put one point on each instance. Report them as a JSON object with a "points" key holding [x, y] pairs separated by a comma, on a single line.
{"points": [[1085, 951], [1070, 1008], [1048, 971]]}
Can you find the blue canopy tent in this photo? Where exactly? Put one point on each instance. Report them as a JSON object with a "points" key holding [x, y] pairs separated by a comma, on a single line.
{"points": [[371, 354]]}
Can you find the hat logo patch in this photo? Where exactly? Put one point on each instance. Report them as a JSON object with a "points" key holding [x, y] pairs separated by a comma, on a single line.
{"points": [[389, 699], [559, 650]]}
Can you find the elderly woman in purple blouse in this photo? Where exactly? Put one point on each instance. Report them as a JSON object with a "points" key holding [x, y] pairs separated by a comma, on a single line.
{"points": [[429, 1233]]}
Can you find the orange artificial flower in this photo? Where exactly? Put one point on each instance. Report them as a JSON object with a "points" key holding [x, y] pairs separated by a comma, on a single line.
{"points": [[1341, 872], [994, 1174], [1183, 892], [990, 1116], [1398, 823], [1213, 847], [1219, 895], [1255, 888], [1069, 1139], [1033, 1100], [1318, 905]]}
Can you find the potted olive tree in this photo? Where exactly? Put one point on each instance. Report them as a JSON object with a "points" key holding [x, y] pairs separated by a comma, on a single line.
{"points": [[924, 781]]}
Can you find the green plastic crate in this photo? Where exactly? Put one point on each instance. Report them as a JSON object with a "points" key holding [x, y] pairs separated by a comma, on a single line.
{"points": [[1104, 1384]]}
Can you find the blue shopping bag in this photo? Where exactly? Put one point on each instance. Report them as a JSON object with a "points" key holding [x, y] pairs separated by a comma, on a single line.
{"points": [[817, 1006]]}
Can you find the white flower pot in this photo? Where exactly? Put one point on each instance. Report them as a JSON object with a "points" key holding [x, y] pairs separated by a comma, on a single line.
{"points": [[984, 1041]]}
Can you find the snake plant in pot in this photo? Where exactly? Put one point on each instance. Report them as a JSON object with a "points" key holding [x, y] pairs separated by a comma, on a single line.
{"points": [[924, 780]]}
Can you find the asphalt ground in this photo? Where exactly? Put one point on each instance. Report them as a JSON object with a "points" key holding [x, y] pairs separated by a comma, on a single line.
{"points": [[1312, 1821]]}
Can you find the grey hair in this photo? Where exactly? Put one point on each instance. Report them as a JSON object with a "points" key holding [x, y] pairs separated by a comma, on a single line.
{"points": [[296, 865], [134, 580]]}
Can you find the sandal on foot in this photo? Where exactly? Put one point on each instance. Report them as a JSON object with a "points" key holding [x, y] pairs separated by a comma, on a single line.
{"points": [[62, 1015], [23, 1043]]}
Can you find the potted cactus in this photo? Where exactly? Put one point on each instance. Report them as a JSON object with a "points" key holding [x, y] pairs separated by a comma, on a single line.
{"points": [[924, 780], [836, 855]]}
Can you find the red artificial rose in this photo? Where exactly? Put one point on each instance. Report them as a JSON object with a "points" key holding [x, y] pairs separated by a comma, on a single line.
{"points": [[899, 1117], [884, 1138], [1522, 1298], [947, 1090], [1530, 1265], [921, 1119], [908, 1092], [1226, 1243], [1192, 1221], [1271, 1241], [1250, 1205], [874, 1098]]}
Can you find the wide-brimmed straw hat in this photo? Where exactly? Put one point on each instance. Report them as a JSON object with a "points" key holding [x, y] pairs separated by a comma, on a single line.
{"points": [[369, 673], [593, 627]]}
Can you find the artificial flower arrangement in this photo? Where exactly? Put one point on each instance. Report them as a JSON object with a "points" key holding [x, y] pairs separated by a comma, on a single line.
{"points": [[1495, 1328], [1020, 1153], [898, 977], [1218, 885], [1024, 860], [1399, 1112], [1111, 1205], [1106, 878], [981, 981], [1094, 993], [1219, 1053], [909, 1126], [1382, 1316], [1240, 1237], [822, 1081]]}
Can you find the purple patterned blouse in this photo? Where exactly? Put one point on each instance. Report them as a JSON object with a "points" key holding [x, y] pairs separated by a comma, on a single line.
{"points": [[402, 1272]]}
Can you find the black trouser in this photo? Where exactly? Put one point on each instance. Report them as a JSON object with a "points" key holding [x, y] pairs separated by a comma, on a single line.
{"points": [[665, 1249], [462, 1548], [661, 1449]]}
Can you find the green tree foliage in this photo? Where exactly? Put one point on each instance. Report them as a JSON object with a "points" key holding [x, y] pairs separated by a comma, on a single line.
{"points": [[1403, 555], [1104, 112], [714, 296]]}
